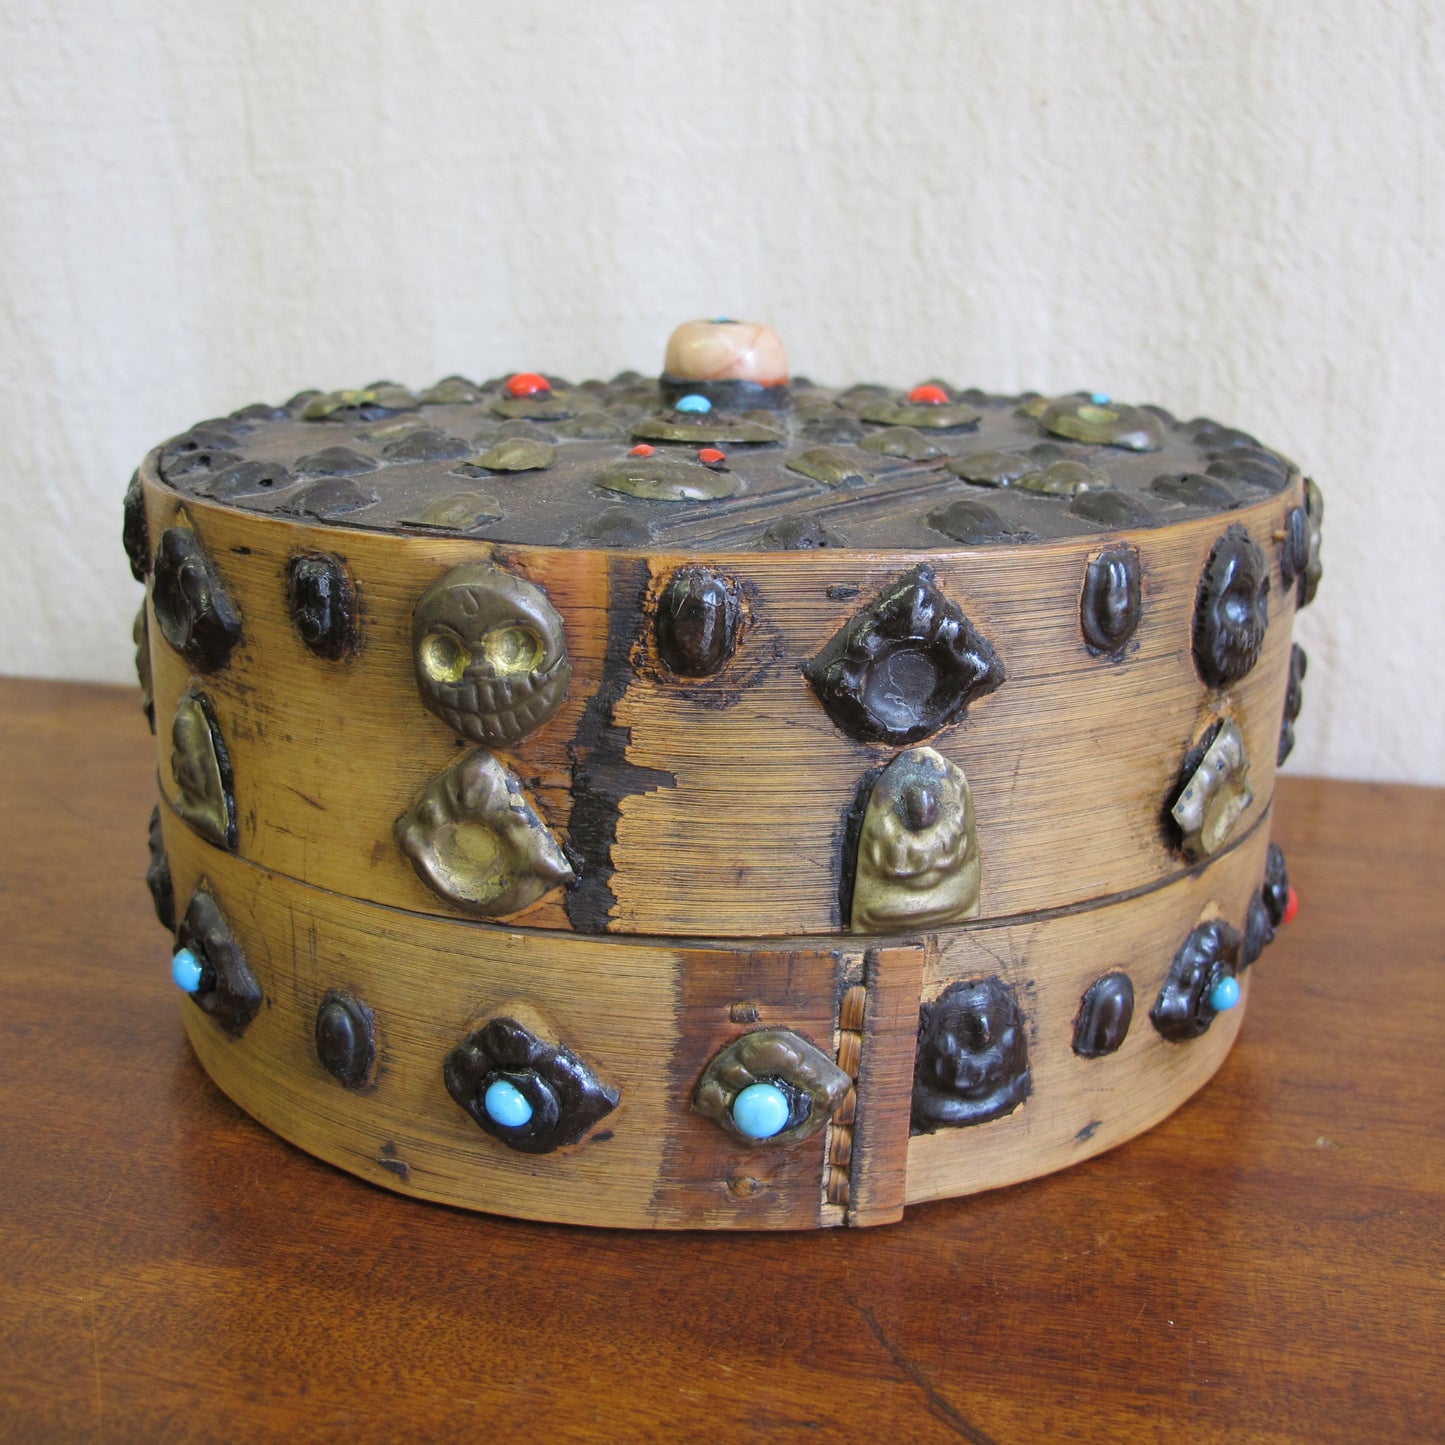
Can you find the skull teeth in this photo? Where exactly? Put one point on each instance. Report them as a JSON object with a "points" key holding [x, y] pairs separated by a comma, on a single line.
{"points": [[480, 718]]}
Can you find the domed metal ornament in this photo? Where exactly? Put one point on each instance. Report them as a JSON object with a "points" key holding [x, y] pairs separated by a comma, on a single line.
{"points": [[812, 1085]]}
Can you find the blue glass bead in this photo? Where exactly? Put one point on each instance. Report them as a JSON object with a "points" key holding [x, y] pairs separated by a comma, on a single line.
{"points": [[1100, 398], [506, 1105], [1224, 995], [760, 1111], [693, 402], [186, 970]]}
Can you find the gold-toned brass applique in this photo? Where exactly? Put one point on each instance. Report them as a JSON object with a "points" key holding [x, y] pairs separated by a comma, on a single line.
{"points": [[667, 479], [801, 1083], [918, 861], [490, 655], [475, 840], [518, 454], [1214, 795], [832, 468], [202, 770], [1101, 421]]}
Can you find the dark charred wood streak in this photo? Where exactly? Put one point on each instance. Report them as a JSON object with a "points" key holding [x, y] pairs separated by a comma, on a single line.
{"points": [[602, 776]]}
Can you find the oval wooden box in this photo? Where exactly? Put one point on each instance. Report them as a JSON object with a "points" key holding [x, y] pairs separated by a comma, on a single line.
{"points": [[704, 831]]}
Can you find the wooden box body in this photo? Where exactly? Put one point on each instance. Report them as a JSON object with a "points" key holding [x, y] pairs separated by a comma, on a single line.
{"points": [[710, 824]]}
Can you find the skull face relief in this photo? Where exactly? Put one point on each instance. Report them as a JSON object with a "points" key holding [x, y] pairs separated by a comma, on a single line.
{"points": [[490, 657], [918, 862]]}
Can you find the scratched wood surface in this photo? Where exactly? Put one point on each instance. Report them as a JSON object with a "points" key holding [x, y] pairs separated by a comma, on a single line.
{"points": [[1266, 1264], [731, 792]]}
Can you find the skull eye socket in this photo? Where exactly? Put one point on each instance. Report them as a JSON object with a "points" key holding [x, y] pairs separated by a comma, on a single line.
{"points": [[445, 657], [512, 650]]}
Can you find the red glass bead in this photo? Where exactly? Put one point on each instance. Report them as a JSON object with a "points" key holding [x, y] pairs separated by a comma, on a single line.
{"points": [[711, 456], [1291, 907], [928, 395], [527, 383], [641, 450]]}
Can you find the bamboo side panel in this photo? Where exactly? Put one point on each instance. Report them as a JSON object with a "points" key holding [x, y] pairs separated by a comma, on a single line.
{"points": [[731, 792], [646, 1017], [878, 1183], [1082, 1107], [649, 1015]]}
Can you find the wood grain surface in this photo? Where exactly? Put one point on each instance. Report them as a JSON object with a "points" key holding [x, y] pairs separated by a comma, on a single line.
{"points": [[648, 1015], [1266, 1264], [733, 789]]}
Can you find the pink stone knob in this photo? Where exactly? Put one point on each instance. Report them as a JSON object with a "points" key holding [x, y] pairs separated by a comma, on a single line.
{"points": [[725, 350]]}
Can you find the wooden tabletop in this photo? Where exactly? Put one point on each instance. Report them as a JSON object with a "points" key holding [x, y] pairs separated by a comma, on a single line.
{"points": [[1267, 1264]]}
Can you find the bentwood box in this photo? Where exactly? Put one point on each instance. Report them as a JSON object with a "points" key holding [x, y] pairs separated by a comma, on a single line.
{"points": [[716, 800]]}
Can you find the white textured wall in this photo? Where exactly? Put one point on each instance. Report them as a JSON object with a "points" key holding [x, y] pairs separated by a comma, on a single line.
{"points": [[1234, 208]]}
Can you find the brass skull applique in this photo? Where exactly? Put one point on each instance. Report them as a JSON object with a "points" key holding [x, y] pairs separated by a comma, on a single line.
{"points": [[490, 656]]}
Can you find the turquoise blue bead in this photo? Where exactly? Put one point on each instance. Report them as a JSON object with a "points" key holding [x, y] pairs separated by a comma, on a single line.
{"points": [[760, 1111], [186, 970], [506, 1105], [1100, 398], [1224, 995], [693, 402]]}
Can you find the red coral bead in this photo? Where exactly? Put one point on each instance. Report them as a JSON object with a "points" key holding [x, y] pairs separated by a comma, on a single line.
{"points": [[928, 395], [1291, 907], [527, 383], [711, 456], [641, 450]]}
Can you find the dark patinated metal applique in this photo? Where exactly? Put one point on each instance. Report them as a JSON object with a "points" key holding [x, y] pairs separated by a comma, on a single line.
{"points": [[1293, 701], [1110, 605], [1233, 609], [226, 989], [972, 1063], [196, 614], [346, 1039], [1201, 983], [531, 1095], [323, 605], [158, 874], [1105, 1013], [699, 617], [908, 664]]}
